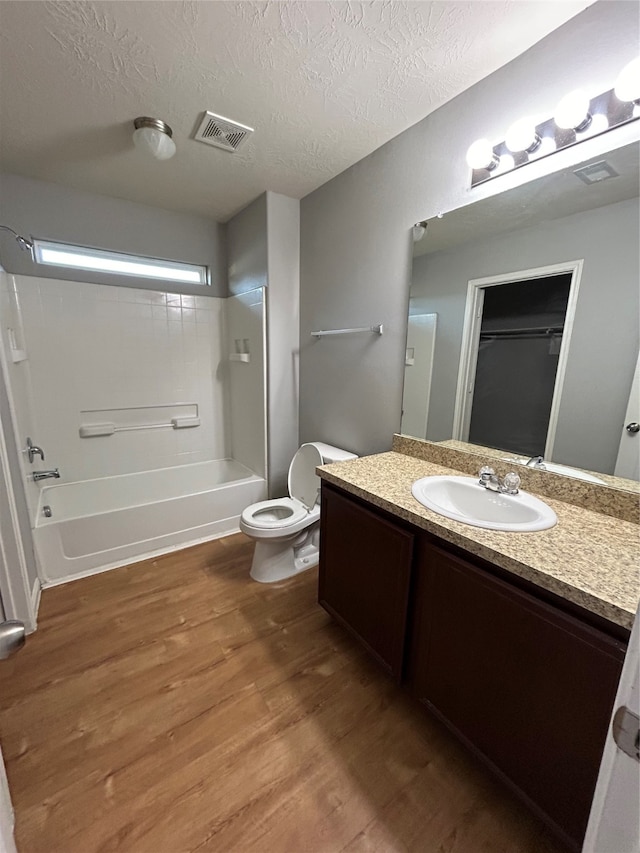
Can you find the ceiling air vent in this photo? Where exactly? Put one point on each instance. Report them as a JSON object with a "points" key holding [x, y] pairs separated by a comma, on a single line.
{"points": [[596, 172], [222, 132]]}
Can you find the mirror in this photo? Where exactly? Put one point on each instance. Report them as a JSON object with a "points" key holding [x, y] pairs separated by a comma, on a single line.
{"points": [[588, 213]]}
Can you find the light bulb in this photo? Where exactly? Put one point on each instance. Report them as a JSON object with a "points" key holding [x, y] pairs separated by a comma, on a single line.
{"points": [[506, 163], [480, 155], [599, 124], [154, 141], [627, 87], [547, 146], [522, 136], [572, 113]]}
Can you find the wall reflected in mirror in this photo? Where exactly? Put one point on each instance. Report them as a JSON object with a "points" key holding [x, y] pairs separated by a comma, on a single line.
{"points": [[558, 222]]}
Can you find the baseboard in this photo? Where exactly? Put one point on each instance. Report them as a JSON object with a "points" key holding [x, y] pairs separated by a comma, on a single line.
{"points": [[150, 555]]}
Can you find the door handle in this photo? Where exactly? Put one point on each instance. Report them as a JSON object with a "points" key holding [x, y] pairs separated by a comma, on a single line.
{"points": [[12, 637], [632, 427], [626, 732]]}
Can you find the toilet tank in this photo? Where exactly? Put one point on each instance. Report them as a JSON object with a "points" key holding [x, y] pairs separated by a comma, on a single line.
{"points": [[330, 453]]}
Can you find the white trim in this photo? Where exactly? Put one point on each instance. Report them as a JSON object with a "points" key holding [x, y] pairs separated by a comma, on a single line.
{"points": [[36, 593], [627, 460], [7, 814], [468, 358], [14, 585], [576, 276], [613, 821], [471, 336]]}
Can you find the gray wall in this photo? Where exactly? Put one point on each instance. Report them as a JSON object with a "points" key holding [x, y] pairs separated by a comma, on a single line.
{"points": [[355, 230], [604, 343], [264, 251], [53, 212], [283, 325], [247, 247]]}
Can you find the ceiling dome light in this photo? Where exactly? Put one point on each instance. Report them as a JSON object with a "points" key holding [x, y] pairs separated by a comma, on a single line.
{"points": [[522, 136], [572, 113], [480, 155], [627, 86], [154, 136]]}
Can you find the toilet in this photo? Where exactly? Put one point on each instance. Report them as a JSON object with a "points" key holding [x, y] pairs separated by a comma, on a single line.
{"points": [[287, 530]]}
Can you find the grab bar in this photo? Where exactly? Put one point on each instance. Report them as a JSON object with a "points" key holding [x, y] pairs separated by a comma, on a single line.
{"points": [[134, 418], [323, 333], [94, 430]]}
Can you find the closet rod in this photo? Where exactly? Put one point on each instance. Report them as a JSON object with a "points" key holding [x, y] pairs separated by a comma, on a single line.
{"points": [[532, 330], [323, 333]]}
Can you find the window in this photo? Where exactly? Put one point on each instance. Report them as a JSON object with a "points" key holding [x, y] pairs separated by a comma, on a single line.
{"points": [[117, 263]]}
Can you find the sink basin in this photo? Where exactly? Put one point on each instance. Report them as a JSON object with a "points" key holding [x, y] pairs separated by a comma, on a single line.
{"points": [[554, 468], [463, 499]]}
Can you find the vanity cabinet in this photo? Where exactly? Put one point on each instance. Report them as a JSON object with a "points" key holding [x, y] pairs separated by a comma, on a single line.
{"points": [[365, 570], [528, 687], [525, 682]]}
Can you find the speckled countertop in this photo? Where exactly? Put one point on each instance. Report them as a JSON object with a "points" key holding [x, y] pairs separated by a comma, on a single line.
{"points": [[588, 558]]}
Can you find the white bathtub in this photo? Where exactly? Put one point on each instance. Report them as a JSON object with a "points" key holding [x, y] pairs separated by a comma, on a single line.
{"points": [[100, 524]]}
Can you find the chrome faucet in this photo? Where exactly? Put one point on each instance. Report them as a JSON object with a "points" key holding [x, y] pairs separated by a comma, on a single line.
{"points": [[535, 462], [44, 475], [34, 450], [490, 480]]}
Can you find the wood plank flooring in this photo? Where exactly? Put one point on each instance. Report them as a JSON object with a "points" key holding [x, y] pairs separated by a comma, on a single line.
{"points": [[175, 705]]}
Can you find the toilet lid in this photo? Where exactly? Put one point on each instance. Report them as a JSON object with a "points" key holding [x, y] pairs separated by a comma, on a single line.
{"points": [[303, 480]]}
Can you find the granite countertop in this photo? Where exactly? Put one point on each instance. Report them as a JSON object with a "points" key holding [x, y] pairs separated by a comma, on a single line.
{"points": [[588, 558]]}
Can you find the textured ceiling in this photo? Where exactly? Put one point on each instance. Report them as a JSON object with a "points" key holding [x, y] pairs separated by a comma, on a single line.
{"points": [[322, 83]]}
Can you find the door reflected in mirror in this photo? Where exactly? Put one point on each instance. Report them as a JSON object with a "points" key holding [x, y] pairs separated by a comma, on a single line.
{"points": [[560, 224]]}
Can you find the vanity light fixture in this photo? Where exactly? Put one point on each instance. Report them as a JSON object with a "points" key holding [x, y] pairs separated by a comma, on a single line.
{"points": [[154, 136], [577, 117]]}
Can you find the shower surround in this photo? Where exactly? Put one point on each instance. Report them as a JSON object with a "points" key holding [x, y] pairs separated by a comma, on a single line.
{"points": [[79, 354]]}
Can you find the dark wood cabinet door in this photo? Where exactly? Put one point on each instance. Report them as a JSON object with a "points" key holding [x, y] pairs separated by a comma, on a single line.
{"points": [[525, 685], [365, 568]]}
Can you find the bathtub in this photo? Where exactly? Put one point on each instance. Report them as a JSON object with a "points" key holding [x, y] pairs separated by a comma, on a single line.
{"points": [[101, 524]]}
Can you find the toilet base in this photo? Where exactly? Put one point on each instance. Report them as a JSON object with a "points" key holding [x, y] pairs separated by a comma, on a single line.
{"points": [[278, 560]]}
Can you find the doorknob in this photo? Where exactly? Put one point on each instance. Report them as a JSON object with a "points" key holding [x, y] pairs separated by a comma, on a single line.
{"points": [[632, 427], [12, 637], [626, 732]]}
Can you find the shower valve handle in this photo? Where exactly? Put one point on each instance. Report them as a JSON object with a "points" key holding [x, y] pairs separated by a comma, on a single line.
{"points": [[33, 450]]}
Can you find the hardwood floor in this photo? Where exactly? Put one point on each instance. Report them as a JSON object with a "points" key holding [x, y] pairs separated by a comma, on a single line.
{"points": [[176, 705]]}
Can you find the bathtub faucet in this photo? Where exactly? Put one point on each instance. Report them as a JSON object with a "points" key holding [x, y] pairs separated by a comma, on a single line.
{"points": [[44, 475]]}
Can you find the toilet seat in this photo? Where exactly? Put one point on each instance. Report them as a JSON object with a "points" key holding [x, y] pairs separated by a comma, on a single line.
{"points": [[302, 481], [264, 514], [284, 516], [261, 521]]}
